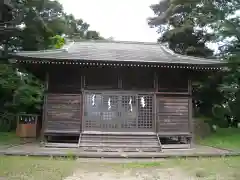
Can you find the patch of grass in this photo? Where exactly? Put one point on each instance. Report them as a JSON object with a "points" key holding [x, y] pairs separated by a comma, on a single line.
{"points": [[223, 138], [29, 168], [142, 165], [212, 168], [8, 138]]}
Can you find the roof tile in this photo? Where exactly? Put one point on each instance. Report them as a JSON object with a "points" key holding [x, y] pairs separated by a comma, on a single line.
{"points": [[117, 51]]}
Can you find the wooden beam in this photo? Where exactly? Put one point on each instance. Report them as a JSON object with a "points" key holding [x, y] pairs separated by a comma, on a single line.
{"points": [[196, 67], [172, 93]]}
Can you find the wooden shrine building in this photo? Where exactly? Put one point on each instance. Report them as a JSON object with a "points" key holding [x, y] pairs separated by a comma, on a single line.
{"points": [[109, 95]]}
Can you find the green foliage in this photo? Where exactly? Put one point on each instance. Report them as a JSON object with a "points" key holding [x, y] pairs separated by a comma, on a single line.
{"points": [[230, 29], [44, 24], [227, 138], [177, 26], [208, 87], [57, 42], [19, 93], [187, 25], [29, 95]]}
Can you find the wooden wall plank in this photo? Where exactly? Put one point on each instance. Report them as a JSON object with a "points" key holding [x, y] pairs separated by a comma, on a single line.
{"points": [[63, 112], [172, 114]]}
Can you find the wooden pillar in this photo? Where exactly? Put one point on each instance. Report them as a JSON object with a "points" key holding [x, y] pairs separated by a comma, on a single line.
{"points": [[155, 81], [44, 109], [82, 100], [155, 101], [47, 80], [190, 109], [190, 87], [84, 82], [120, 78], [83, 86]]}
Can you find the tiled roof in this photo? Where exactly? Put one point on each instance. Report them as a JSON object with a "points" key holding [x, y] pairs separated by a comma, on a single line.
{"points": [[117, 51]]}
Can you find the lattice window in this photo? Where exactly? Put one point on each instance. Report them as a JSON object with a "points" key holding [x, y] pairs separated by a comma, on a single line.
{"points": [[145, 112], [129, 111]]}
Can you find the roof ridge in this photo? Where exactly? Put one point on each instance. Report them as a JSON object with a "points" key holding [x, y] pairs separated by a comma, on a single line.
{"points": [[115, 41], [41, 51], [65, 48]]}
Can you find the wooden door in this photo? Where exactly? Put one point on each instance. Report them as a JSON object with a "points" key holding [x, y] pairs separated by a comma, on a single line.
{"points": [[118, 112]]}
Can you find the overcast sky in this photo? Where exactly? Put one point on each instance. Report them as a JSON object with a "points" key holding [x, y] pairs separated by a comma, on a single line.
{"points": [[124, 20]]}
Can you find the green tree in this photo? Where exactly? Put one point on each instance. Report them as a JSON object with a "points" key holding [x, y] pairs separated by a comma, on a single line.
{"points": [[187, 26], [43, 26], [178, 27], [230, 29], [42, 21]]}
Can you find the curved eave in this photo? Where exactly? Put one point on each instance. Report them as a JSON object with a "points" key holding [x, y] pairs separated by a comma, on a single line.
{"points": [[131, 63]]}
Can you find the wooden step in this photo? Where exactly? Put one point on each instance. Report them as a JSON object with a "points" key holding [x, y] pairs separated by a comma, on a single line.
{"points": [[117, 137], [119, 141], [62, 141], [61, 145], [119, 133], [176, 146], [126, 149], [122, 144], [118, 145]]}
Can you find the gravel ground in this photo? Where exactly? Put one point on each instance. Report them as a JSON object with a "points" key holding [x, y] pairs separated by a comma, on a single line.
{"points": [[136, 174]]}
